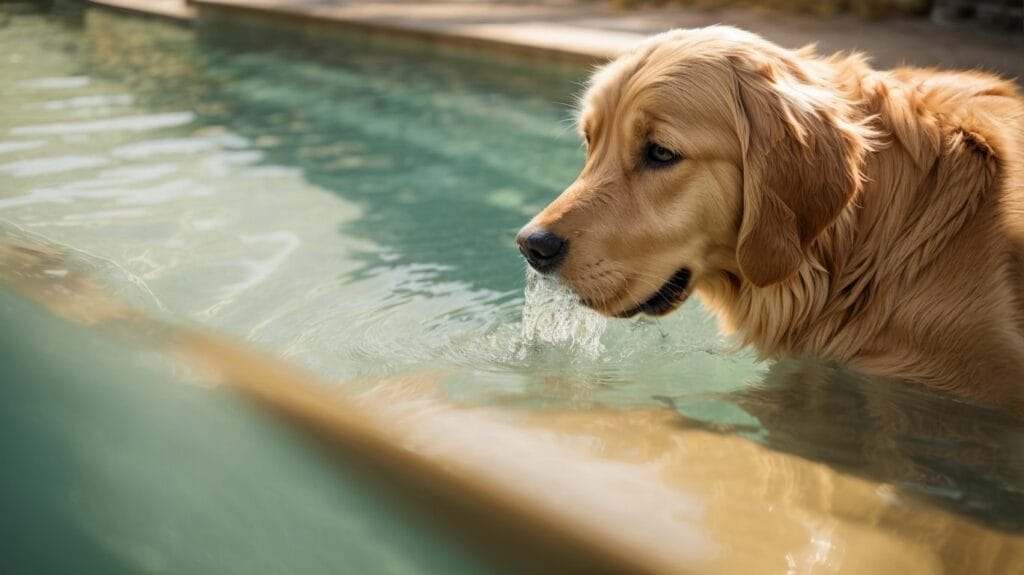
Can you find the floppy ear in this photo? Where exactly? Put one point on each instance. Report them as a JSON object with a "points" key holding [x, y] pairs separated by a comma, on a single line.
{"points": [[801, 164]]}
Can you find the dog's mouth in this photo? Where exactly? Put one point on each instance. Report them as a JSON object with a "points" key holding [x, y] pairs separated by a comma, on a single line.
{"points": [[670, 296]]}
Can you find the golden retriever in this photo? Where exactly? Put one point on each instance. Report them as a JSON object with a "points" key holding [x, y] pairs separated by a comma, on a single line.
{"points": [[818, 206]]}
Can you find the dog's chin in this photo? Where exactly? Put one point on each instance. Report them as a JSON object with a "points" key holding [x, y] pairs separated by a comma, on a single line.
{"points": [[669, 296]]}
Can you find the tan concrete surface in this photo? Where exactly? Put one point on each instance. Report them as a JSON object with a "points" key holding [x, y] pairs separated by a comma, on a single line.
{"points": [[171, 9]]}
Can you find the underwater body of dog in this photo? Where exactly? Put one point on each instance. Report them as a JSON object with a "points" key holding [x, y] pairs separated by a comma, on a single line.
{"points": [[818, 206]]}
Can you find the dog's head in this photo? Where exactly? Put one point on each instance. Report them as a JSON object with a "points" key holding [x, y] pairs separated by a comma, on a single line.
{"points": [[709, 152]]}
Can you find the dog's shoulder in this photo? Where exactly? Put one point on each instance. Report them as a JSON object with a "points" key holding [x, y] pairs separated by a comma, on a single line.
{"points": [[972, 118], [951, 149], [979, 120]]}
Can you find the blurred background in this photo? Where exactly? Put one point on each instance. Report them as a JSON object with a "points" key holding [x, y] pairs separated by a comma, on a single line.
{"points": [[997, 13]]}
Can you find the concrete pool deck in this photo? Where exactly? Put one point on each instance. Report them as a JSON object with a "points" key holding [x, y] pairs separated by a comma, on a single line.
{"points": [[179, 10], [590, 32]]}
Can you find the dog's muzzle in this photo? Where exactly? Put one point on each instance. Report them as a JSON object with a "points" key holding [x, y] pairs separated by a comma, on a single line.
{"points": [[670, 296]]}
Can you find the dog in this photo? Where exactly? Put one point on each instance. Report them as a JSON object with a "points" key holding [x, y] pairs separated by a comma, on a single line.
{"points": [[819, 207]]}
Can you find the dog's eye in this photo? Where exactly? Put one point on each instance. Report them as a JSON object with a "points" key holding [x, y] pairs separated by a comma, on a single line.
{"points": [[658, 156]]}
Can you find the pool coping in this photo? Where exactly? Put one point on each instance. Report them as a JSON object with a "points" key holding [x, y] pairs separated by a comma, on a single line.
{"points": [[588, 33], [179, 11], [536, 38]]}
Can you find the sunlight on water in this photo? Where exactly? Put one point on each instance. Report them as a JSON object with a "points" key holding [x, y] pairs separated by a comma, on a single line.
{"points": [[553, 316]]}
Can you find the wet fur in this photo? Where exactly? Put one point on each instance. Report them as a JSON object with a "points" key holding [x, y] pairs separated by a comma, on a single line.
{"points": [[874, 218]]}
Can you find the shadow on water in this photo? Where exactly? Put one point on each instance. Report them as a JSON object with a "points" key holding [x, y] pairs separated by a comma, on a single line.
{"points": [[964, 458]]}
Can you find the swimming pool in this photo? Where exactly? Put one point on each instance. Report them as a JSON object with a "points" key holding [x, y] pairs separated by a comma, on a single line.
{"points": [[349, 204]]}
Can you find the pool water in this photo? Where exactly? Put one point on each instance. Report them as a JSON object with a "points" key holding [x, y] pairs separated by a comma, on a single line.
{"points": [[110, 467], [353, 212], [349, 204]]}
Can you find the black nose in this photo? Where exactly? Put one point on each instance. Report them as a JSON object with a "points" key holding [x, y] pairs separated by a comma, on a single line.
{"points": [[544, 250]]}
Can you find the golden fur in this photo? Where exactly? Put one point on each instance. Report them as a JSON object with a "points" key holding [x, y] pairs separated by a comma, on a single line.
{"points": [[823, 208]]}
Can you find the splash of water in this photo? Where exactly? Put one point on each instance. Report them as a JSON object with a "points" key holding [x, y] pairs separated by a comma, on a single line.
{"points": [[553, 316]]}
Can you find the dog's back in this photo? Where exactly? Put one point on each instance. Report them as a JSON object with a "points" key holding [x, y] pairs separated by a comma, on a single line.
{"points": [[991, 110], [960, 137]]}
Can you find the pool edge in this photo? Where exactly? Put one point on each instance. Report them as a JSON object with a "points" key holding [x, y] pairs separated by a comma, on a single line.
{"points": [[558, 43], [182, 13]]}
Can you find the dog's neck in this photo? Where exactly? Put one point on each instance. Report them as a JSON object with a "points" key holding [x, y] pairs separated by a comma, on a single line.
{"points": [[839, 276]]}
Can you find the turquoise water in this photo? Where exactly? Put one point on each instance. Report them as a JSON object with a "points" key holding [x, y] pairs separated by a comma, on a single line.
{"points": [[111, 466], [350, 205]]}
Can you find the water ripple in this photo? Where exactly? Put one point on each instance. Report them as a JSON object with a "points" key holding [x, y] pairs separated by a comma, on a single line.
{"points": [[79, 102], [118, 124], [16, 146], [51, 165], [56, 83]]}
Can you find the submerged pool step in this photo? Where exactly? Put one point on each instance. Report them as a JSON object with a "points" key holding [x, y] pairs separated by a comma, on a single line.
{"points": [[515, 535]]}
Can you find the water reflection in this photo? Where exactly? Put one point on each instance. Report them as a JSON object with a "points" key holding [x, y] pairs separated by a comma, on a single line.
{"points": [[959, 456], [458, 153]]}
